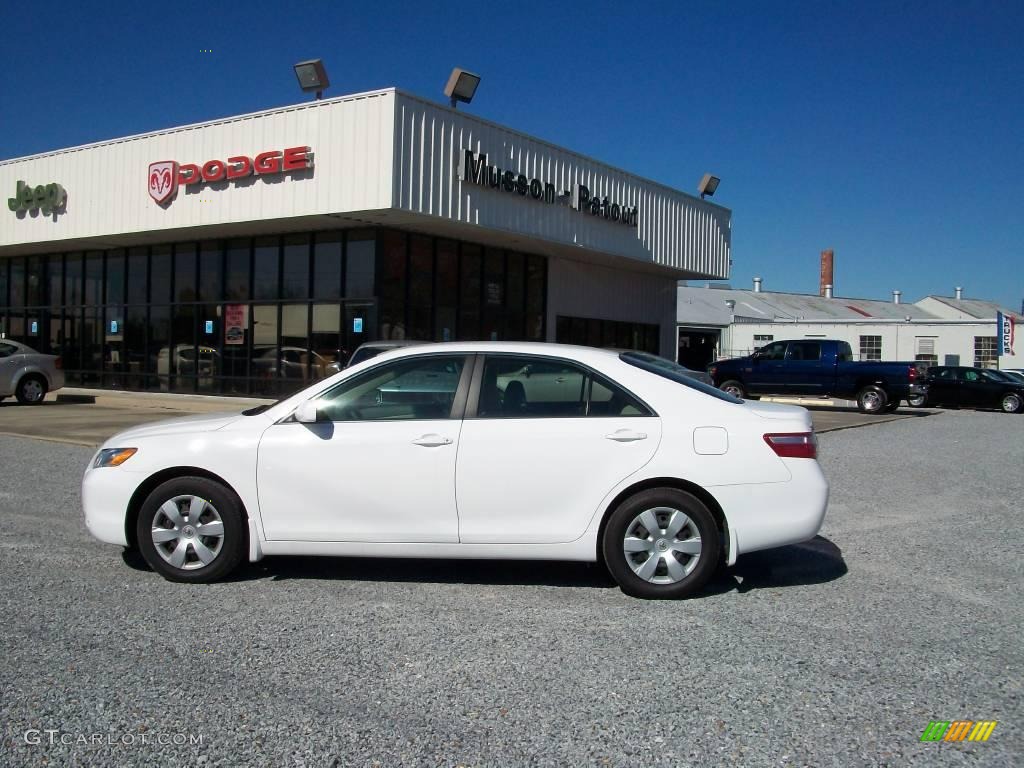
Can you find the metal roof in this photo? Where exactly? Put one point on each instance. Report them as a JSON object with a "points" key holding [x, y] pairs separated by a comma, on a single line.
{"points": [[706, 306], [971, 308]]}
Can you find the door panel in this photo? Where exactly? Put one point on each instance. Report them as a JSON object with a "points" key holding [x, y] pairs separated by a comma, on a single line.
{"points": [[359, 481], [766, 370], [534, 464], [380, 464]]}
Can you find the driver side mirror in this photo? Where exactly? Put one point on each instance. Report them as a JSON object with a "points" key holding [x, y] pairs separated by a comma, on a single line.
{"points": [[307, 413]]}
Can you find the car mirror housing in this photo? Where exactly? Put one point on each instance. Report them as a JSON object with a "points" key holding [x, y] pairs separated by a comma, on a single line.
{"points": [[307, 413]]}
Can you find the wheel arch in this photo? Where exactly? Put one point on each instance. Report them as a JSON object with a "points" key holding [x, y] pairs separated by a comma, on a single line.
{"points": [[666, 482], [147, 486]]}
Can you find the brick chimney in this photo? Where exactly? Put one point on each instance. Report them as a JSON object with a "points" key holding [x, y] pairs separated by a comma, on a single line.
{"points": [[827, 262]]}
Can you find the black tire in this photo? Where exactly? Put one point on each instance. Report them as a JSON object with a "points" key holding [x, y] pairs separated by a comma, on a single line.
{"points": [[624, 518], [31, 389], [891, 406], [1011, 402], [219, 502], [917, 401], [871, 399], [734, 388]]}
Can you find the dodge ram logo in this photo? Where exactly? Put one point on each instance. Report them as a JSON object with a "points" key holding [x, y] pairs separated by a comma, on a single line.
{"points": [[163, 180]]}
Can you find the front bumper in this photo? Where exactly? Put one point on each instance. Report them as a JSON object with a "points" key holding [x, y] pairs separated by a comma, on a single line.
{"points": [[106, 493]]}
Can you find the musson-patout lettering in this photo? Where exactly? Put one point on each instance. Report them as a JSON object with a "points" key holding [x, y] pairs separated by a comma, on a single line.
{"points": [[476, 170]]}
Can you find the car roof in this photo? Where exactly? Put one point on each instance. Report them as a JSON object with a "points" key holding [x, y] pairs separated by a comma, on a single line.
{"points": [[548, 349]]}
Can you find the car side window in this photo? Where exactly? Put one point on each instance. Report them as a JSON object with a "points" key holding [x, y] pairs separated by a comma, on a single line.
{"points": [[776, 351], [530, 388], [970, 375], [6, 350], [421, 387], [805, 350], [947, 374]]}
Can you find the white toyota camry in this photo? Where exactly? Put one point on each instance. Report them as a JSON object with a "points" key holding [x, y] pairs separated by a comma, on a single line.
{"points": [[471, 450]]}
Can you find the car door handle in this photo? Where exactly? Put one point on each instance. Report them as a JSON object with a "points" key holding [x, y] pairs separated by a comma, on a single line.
{"points": [[432, 441], [626, 436]]}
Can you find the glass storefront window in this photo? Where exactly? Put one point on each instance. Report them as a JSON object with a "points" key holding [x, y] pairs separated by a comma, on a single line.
{"points": [[185, 272], [210, 271], [237, 271], [327, 265], [138, 275], [160, 274], [115, 277], [360, 247], [295, 267], [391, 270], [55, 279], [261, 316], [265, 268]]}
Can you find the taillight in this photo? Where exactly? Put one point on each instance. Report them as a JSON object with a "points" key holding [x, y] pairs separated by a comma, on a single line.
{"points": [[58, 363], [793, 445], [912, 375]]}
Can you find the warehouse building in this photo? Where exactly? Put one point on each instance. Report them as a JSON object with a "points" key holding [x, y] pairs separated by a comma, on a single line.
{"points": [[252, 254], [716, 323]]}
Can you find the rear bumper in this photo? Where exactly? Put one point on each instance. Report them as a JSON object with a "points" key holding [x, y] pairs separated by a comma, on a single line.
{"points": [[768, 515]]}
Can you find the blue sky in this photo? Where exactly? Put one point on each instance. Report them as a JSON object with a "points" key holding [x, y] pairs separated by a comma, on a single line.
{"points": [[891, 132]]}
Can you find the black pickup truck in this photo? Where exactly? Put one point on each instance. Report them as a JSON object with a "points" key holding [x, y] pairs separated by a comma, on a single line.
{"points": [[819, 368]]}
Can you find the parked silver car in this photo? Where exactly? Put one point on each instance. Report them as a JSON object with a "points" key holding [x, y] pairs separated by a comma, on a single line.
{"points": [[27, 374]]}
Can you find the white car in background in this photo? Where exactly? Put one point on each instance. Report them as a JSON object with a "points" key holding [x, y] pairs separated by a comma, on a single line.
{"points": [[27, 374], [471, 450]]}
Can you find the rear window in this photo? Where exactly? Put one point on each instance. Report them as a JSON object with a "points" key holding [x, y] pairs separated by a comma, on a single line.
{"points": [[659, 366]]}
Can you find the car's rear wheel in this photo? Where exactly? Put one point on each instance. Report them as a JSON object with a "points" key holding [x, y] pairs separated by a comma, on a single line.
{"points": [[661, 543], [733, 388], [1012, 403], [871, 399], [192, 529], [31, 390], [917, 401]]}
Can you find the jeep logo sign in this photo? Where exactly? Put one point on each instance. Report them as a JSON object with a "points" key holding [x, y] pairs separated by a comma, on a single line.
{"points": [[45, 197], [167, 175]]}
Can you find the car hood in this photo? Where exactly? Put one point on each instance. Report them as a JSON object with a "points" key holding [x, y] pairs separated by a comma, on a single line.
{"points": [[204, 422], [778, 411]]}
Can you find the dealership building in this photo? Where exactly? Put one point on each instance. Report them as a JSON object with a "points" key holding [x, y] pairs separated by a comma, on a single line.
{"points": [[250, 254]]}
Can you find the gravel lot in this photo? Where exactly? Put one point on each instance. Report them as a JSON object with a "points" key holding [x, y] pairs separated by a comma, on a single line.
{"points": [[907, 609]]}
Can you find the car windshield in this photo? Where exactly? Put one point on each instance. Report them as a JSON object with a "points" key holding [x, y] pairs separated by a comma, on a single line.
{"points": [[364, 354], [997, 376], [674, 372]]}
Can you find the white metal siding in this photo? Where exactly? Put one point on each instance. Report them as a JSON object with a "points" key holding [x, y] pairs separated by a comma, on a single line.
{"points": [[106, 183], [576, 289], [674, 229]]}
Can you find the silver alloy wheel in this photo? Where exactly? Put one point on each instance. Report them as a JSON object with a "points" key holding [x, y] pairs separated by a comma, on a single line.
{"points": [[188, 532], [662, 545], [1011, 403], [872, 401], [32, 390], [916, 401], [734, 391]]}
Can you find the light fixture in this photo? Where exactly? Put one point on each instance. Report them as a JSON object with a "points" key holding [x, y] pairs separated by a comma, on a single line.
{"points": [[312, 76], [461, 86], [708, 185]]}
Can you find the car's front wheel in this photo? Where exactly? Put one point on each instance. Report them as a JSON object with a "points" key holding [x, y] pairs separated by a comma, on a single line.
{"points": [[662, 543], [734, 388], [917, 401], [192, 529], [1012, 403]]}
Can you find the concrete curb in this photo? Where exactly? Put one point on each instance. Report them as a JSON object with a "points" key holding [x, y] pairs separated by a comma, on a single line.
{"points": [[151, 400]]}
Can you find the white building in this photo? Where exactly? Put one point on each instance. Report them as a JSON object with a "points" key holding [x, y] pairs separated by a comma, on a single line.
{"points": [[229, 255], [715, 323]]}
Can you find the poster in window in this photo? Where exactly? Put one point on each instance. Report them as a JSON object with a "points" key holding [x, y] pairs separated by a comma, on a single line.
{"points": [[236, 318]]}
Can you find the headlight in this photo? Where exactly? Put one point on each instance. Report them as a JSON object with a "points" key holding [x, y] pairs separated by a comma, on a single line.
{"points": [[113, 457]]}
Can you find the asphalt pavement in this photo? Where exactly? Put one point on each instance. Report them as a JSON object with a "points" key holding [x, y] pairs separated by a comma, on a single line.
{"points": [[838, 652]]}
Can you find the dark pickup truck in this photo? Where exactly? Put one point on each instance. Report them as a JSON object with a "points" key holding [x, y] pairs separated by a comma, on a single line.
{"points": [[819, 368]]}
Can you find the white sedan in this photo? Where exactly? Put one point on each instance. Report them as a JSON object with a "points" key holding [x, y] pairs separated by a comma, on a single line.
{"points": [[471, 450]]}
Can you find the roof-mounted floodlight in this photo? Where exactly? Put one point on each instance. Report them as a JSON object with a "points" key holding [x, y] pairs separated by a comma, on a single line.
{"points": [[461, 86], [312, 76], [708, 185]]}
